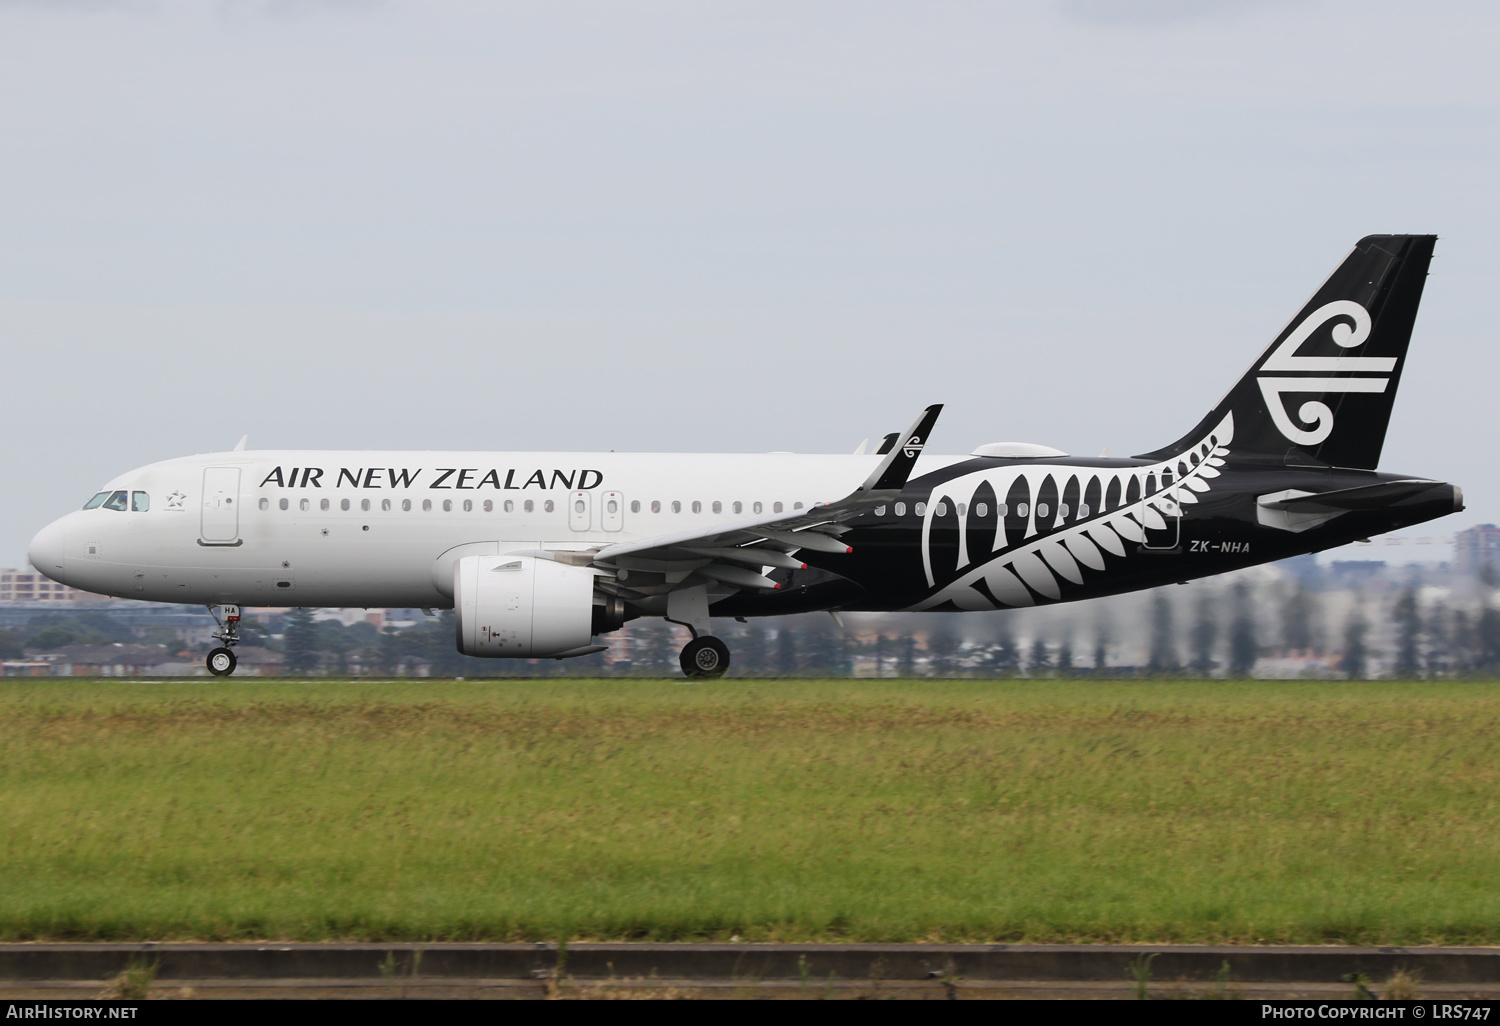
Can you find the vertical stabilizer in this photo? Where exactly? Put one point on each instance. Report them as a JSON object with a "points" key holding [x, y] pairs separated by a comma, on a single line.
{"points": [[1322, 393]]}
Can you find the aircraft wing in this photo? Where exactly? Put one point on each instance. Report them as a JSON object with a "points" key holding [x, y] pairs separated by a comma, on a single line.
{"points": [[737, 552]]}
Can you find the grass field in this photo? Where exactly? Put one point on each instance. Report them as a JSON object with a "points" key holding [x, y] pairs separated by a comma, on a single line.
{"points": [[1270, 812]]}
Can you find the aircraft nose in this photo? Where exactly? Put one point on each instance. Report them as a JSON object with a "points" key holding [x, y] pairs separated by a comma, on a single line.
{"points": [[47, 548]]}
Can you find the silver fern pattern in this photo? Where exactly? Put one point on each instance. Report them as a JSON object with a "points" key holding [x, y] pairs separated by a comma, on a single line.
{"points": [[1040, 544]]}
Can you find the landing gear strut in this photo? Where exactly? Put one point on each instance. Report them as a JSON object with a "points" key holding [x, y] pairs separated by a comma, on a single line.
{"points": [[221, 661], [705, 657]]}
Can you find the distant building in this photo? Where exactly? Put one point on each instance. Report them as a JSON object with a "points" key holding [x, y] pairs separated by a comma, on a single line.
{"points": [[117, 659], [26, 585], [26, 668], [1303, 568], [1476, 548], [1362, 575]]}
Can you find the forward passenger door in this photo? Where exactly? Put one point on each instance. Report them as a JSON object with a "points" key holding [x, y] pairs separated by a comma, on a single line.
{"points": [[220, 524]]}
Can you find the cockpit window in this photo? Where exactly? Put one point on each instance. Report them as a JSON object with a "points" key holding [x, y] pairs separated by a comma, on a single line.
{"points": [[116, 500], [140, 501], [96, 500]]}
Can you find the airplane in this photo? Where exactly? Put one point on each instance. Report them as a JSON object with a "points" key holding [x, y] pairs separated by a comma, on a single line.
{"points": [[538, 554]]}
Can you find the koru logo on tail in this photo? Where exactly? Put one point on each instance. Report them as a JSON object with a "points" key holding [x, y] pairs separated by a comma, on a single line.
{"points": [[912, 447], [1310, 368]]}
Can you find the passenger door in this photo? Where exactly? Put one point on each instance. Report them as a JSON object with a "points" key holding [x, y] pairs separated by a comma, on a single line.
{"points": [[1159, 513], [221, 506]]}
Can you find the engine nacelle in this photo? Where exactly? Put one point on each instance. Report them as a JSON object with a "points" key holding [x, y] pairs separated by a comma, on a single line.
{"points": [[520, 607]]}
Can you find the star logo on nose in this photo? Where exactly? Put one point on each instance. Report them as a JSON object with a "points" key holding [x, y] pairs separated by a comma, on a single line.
{"points": [[176, 500]]}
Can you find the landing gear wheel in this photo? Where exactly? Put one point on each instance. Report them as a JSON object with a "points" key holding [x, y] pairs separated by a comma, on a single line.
{"points": [[221, 662], [705, 658]]}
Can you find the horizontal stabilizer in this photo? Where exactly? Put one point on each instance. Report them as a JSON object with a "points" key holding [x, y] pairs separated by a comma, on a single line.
{"points": [[1371, 496]]}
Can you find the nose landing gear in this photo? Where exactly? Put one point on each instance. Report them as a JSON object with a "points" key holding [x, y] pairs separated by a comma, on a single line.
{"points": [[221, 661]]}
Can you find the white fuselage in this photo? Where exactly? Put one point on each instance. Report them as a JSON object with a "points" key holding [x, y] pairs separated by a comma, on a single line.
{"points": [[380, 529]]}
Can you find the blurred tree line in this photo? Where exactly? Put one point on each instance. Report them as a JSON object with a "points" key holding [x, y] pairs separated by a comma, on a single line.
{"points": [[1223, 635], [48, 632], [1223, 631]]}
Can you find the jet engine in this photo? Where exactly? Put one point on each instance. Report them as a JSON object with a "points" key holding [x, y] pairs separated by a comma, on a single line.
{"points": [[521, 607]]}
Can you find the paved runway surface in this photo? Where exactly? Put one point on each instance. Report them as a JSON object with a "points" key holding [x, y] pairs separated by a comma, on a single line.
{"points": [[963, 971]]}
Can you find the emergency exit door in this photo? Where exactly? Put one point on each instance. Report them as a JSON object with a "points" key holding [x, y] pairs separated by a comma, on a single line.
{"points": [[580, 511]]}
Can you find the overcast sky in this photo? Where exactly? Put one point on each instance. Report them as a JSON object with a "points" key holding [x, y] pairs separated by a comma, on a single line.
{"points": [[722, 227]]}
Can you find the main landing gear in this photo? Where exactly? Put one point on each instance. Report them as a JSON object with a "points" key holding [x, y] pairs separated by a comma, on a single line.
{"points": [[221, 661], [704, 658]]}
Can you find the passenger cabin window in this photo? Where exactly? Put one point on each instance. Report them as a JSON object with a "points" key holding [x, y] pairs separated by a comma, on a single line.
{"points": [[676, 506], [116, 501], [426, 505], [635, 505], [880, 511], [385, 505], [718, 506], [140, 502], [1022, 509], [697, 506], [900, 509], [548, 506], [489, 505], [468, 505], [284, 504], [738, 507], [528, 505], [775, 507], [406, 505], [1003, 510], [655, 506], [323, 505], [1041, 509], [942, 509], [756, 508], [1083, 509], [364, 505], [344, 505], [96, 501], [447, 505], [962, 509], [304, 505], [796, 505], [265, 503], [981, 509], [510, 506], [920, 509]]}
